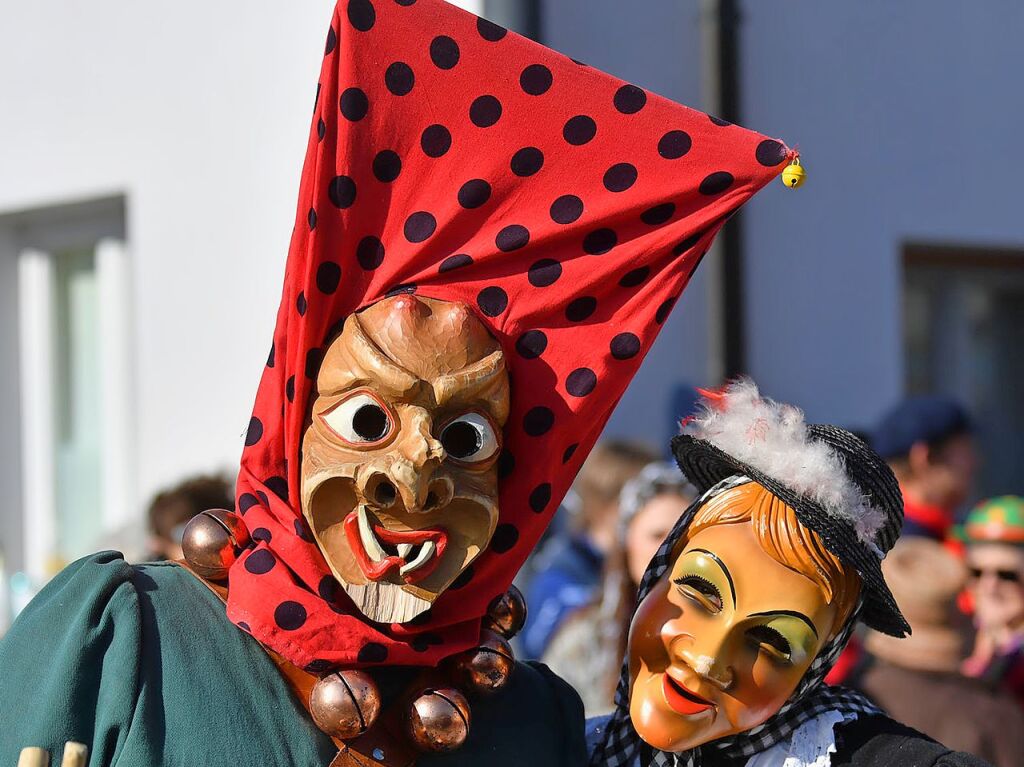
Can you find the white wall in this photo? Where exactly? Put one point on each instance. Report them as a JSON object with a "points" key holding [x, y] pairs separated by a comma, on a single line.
{"points": [[908, 116]]}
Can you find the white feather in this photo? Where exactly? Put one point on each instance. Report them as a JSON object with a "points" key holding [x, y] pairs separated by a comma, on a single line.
{"points": [[772, 438]]}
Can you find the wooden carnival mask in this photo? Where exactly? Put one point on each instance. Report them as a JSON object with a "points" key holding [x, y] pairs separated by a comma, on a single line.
{"points": [[399, 482], [722, 641]]}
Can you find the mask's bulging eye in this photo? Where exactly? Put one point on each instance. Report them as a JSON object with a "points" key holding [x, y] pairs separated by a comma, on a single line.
{"points": [[360, 419], [470, 438]]}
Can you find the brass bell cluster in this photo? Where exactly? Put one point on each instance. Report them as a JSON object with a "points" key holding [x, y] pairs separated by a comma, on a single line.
{"points": [[345, 704]]}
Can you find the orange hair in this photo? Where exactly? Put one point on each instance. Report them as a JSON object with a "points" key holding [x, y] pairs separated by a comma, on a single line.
{"points": [[784, 539]]}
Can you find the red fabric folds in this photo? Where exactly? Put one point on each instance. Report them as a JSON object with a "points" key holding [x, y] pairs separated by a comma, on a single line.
{"points": [[566, 207]]}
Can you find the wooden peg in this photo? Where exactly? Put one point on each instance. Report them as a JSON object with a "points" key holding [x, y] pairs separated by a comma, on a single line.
{"points": [[75, 755], [33, 756]]}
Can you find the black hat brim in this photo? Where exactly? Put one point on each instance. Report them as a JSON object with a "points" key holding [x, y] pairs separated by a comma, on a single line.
{"points": [[706, 465]]}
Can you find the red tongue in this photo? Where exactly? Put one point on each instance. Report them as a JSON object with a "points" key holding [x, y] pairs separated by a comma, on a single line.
{"points": [[376, 571], [408, 536]]}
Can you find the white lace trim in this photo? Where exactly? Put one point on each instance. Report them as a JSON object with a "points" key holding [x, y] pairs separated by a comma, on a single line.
{"points": [[811, 745]]}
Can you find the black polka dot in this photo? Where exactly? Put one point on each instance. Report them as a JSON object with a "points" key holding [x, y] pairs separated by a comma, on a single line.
{"points": [[580, 308], [474, 193], [566, 209], [328, 275], [405, 287], [278, 486], [290, 616], [625, 346], [538, 421], [620, 177], [659, 214], [540, 497], [399, 78], [492, 301], [463, 580], [372, 652], [405, 3], [261, 534], [419, 226], [436, 141], [506, 464], [424, 642], [444, 52], [271, 356], [490, 31], [581, 382], [342, 192], [328, 588], [260, 562], [716, 183], [536, 79], [512, 237], [719, 121], [674, 144], [318, 666], [303, 532], [361, 14], [321, 129], [600, 241], [505, 537], [300, 304], [244, 626], [289, 389], [332, 42], [246, 501], [688, 243], [387, 166], [354, 104], [629, 99], [311, 219], [266, 502], [255, 431], [770, 153], [455, 262], [313, 359], [527, 161], [579, 130], [485, 111], [531, 344], [370, 252], [663, 311], [569, 452], [544, 273]]}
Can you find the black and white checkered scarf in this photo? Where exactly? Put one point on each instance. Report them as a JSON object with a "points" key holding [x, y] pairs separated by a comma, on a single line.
{"points": [[622, 746]]}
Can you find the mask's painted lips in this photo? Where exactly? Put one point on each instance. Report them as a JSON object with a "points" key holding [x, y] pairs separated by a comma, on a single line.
{"points": [[418, 552], [681, 700]]}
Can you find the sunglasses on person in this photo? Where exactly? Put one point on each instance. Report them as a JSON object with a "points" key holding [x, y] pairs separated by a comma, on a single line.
{"points": [[1008, 576]]}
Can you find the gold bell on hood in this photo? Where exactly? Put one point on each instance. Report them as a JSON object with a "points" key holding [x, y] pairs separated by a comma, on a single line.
{"points": [[794, 174]]}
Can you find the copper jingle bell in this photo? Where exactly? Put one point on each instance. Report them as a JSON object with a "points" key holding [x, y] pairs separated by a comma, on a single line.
{"points": [[212, 541], [506, 614], [345, 704], [488, 667], [438, 720]]}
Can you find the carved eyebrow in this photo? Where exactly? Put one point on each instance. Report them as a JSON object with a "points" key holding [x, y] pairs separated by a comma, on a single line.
{"points": [[720, 563], [791, 614]]}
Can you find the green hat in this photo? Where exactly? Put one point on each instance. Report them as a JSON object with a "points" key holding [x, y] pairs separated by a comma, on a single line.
{"points": [[997, 520]]}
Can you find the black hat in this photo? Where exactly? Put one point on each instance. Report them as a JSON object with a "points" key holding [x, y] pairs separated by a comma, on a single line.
{"points": [[838, 486]]}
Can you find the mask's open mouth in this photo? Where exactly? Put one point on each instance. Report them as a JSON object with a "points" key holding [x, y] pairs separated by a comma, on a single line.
{"points": [[682, 700], [379, 551]]}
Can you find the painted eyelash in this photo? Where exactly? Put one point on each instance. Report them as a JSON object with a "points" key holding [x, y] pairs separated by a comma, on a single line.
{"points": [[775, 639], [712, 589]]}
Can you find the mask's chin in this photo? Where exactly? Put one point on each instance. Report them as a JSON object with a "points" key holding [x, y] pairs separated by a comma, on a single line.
{"points": [[394, 564]]}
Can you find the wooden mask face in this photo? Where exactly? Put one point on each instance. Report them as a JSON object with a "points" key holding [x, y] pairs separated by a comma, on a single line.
{"points": [[721, 642], [399, 477]]}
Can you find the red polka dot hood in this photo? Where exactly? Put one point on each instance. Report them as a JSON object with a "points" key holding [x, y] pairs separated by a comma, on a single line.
{"points": [[451, 158]]}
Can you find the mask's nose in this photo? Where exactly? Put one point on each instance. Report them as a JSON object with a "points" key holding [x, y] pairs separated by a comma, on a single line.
{"points": [[707, 656]]}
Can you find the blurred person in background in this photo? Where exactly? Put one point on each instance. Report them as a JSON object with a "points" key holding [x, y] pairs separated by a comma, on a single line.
{"points": [[917, 680], [928, 441], [568, 567], [994, 535], [172, 509], [588, 648]]}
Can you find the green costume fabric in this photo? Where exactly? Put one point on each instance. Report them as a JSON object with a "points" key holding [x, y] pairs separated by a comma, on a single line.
{"points": [[141, 664]]}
